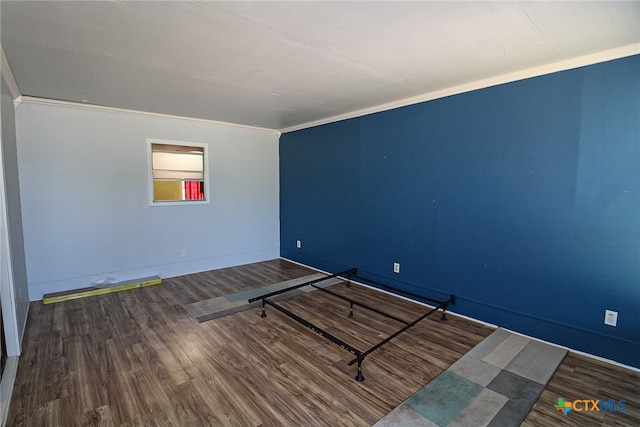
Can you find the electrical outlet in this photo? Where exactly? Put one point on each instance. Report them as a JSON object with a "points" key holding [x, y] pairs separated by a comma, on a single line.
{"points": [[396, 267], [610, 317], [298, 244], [183, 253]]}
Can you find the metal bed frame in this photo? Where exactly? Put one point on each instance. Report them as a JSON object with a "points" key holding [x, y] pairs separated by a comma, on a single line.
{"points": [[353, 273]]}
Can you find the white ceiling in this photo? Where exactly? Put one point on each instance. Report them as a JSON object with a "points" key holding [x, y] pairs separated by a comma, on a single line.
{"points": [[284, 65]]}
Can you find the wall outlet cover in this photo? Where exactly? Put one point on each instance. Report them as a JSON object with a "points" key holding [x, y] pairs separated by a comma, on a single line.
{"points": [[610, 317]]}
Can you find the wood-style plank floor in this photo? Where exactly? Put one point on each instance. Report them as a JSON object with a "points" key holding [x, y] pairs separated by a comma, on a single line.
{"points": [[579, 378], [137, 358]]}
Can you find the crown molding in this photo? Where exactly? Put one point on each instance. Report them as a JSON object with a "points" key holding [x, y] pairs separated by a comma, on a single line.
{"points": [[581, 61], [8, 76], [104, 109]]}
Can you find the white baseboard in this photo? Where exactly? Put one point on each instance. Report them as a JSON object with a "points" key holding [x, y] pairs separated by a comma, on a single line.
{"points": [[582, 353]]}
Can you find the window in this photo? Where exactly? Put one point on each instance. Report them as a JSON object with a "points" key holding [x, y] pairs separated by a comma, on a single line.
{"points": [[178, 172]]}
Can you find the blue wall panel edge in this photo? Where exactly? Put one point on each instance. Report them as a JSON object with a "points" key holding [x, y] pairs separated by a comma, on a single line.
{"points": [[522, 199]]}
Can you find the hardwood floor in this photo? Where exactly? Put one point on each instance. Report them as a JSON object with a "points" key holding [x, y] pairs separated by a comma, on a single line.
{"points": [[579, 378], [137, 358]]}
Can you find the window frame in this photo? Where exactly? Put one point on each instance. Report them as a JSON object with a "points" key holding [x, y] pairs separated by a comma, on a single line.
{"points": [[150, 180]]}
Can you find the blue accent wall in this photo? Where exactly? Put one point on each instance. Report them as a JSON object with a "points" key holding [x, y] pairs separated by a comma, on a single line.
{"points": [[521, 199]]}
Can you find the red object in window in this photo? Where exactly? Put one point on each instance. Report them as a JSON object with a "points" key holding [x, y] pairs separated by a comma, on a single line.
{"points": [[193, 190]]}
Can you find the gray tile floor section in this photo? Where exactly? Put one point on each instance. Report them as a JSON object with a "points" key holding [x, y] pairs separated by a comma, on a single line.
{"points": [[521, 392], [229, 304], [512, 370], [481, 410], [404, 416]]}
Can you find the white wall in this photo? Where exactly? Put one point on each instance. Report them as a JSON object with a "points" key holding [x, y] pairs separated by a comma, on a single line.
{"points": [[13, 277], [83, 184]]}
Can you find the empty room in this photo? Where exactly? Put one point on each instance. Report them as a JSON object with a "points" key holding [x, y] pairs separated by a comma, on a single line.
{"points": [[315, 213]]}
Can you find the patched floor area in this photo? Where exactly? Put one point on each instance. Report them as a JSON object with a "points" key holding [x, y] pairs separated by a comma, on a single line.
{"points": [[494, 384]]}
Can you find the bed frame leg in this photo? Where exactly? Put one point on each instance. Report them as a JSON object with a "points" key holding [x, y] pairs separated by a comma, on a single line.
{"points": [[359, 376], [452, 300]]}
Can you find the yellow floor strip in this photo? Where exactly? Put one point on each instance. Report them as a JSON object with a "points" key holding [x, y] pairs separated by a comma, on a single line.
{"points": [[89, 292]]}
